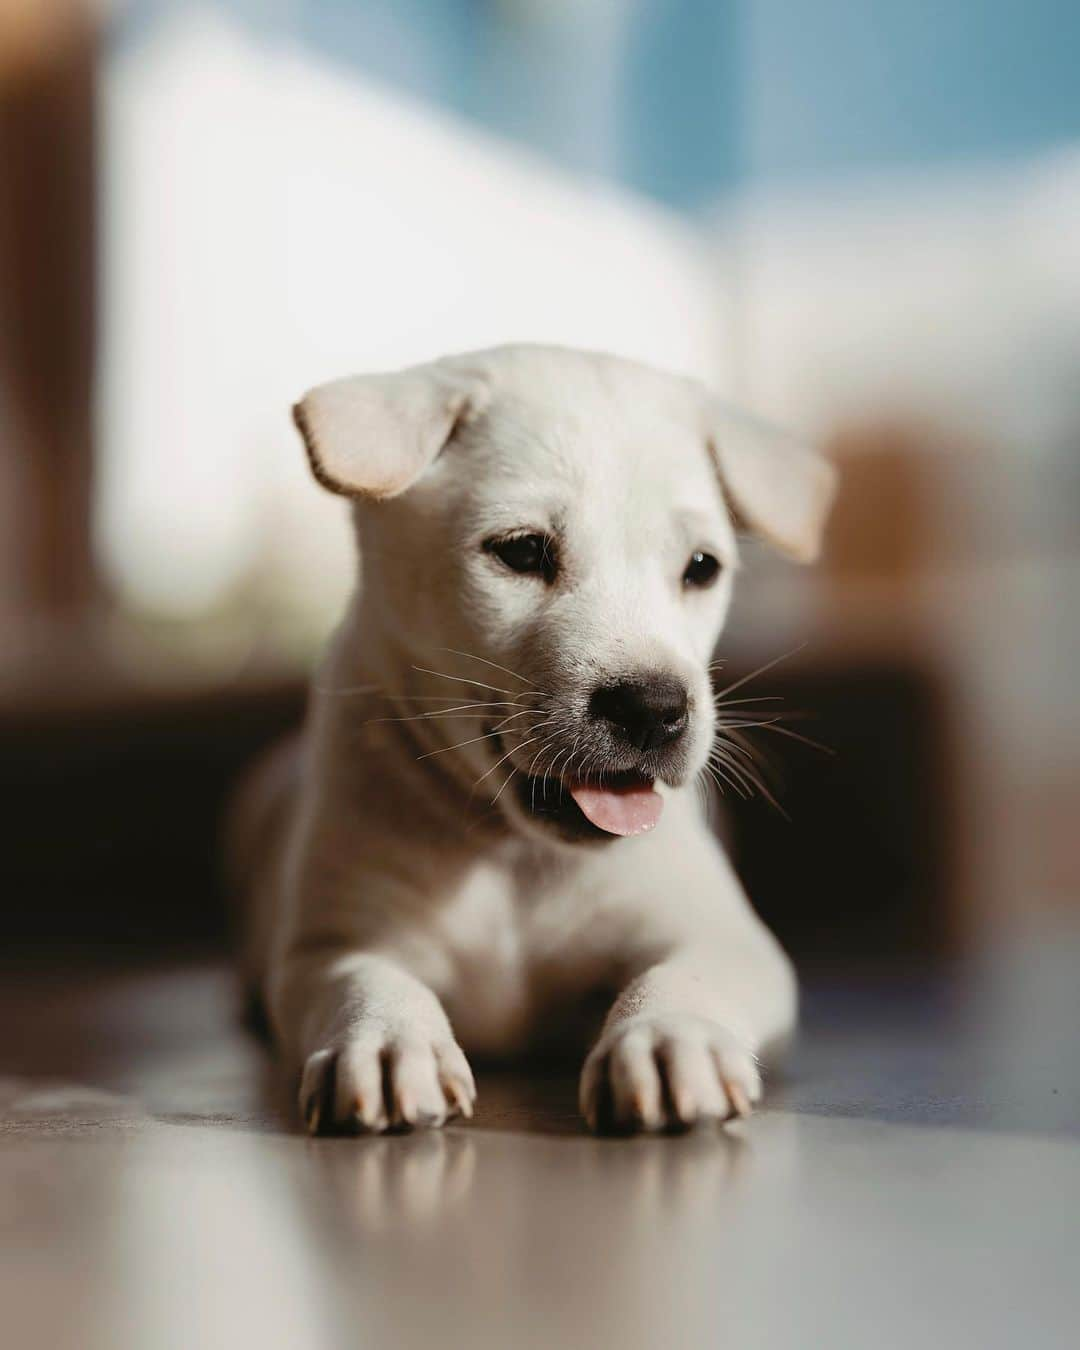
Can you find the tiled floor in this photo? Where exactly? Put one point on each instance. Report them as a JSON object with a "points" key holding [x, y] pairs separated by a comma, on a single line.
{"points": [[914, 1180]]}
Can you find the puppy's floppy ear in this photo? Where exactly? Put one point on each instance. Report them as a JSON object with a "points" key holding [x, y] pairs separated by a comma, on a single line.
{"points": [[374, 435], [779, 488]]}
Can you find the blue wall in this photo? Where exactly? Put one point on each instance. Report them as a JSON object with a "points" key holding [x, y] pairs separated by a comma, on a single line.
{"points": [[833, 85], [685, 99]]}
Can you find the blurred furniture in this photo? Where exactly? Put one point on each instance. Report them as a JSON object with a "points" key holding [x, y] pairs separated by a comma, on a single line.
{"points": [[852, 860], [47, 248], [113, 809]]}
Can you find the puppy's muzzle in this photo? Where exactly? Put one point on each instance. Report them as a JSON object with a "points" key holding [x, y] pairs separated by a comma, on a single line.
{"points": [[647, 713]]}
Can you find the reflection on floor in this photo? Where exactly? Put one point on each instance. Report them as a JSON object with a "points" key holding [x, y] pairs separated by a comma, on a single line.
{"points": [[914, 1180]]}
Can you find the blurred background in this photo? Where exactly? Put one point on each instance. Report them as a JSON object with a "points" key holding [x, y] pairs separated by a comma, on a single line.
{"points": [[858, 219]]}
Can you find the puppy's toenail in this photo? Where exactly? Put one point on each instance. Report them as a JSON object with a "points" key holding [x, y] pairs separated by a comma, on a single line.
{"points": [[738, 1098]]}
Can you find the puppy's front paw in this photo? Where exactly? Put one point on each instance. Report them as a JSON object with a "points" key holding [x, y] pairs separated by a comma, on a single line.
{"points": [[374, 1080], [663, 1073]]}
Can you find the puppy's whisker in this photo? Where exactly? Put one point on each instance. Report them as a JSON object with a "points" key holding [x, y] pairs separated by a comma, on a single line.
{"points": [[562, 775], [471, 656], [745, 777], [745, 679], [729, 740], [442, 675], [441, 717], [475, 740], [507, 722], [456, 717], [536, 758], [746, 772], [579, 749], [562, 726], [502, 789], [540, 753], [738, 702], [773, 724], [725, 749], [573, 755], [512, 717], [348, 691], [435, 713], [445, 749], [537, 727], [720, 779], [797, 736], [727, 746], [548, 741], [733, 717], [551, 771], [565, 775], [438, 698], [753, 754], [502, 760], [734, 775], [741, 724], [722, 758]]}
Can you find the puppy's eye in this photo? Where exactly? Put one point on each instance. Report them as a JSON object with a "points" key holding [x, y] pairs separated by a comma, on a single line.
{"points": [[701, 571], [526, 553]]}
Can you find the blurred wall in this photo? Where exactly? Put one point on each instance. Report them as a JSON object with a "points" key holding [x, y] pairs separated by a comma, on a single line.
{"points": [[687, 99], [271, 221], [852, 85]]}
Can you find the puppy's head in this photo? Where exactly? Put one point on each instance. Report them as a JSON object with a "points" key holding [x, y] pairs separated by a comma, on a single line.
{"points": [[554, 531]]}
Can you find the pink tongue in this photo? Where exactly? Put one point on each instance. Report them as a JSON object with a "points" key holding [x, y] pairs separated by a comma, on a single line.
{"points": [[621, 810]]}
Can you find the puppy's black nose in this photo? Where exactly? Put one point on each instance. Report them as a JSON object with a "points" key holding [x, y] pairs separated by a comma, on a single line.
{"points": [[648, 712]]}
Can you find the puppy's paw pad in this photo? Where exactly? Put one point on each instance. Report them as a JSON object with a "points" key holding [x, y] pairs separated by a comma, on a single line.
{"points": [[372, 1081], [668, 1073]]}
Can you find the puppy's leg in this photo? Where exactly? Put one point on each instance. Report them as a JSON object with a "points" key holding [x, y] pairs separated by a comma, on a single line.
{"points": [[376, 1048], [680, 1044]]}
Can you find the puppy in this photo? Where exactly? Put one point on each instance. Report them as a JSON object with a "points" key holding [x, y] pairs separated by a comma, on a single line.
{"points": [[490, 828]]}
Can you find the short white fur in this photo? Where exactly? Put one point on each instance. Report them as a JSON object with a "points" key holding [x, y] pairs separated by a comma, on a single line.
{"points": [[404, 906]]}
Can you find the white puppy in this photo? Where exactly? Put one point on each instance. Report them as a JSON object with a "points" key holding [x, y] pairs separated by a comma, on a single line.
{"points": [[491, 821]]}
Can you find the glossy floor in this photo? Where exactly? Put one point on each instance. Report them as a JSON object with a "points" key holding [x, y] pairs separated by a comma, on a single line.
{"points": [[914, 1180]]}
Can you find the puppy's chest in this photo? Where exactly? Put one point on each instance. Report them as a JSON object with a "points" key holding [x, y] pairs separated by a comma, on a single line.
{"points": [[521, 972]]}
